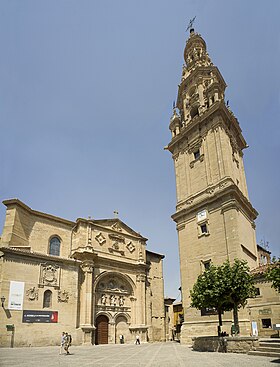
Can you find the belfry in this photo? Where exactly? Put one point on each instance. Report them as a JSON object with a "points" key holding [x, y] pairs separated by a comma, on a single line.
{"points": [[215, 219]]}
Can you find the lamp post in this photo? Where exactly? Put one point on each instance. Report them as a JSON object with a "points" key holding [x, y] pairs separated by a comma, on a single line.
{"points": [[2, 301]]}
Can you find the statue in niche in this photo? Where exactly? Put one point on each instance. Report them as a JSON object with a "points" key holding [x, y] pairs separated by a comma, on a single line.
{"points": [[121, 300], [113, 300], [103, 299]]}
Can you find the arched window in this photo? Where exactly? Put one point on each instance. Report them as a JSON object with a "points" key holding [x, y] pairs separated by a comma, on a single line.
{"points": [[47, 302], [54, 248]]}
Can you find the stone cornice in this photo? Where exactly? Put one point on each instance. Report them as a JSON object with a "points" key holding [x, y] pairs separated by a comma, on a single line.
{"points": [[37, 255], [216, 110], [225, 187]]}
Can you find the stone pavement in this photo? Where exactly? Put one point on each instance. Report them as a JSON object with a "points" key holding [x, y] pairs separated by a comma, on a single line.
{"points": [[168, 354]]}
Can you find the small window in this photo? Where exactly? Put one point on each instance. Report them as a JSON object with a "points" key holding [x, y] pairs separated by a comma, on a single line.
{"points": [[54, 248], [196, 154], [258, 292], [266, 323], [207, 264], [203, 228], [47, 302]]}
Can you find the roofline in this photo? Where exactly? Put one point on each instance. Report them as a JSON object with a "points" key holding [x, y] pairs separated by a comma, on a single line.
{"points": [[263, 248], [156, 253], [10, 202]]}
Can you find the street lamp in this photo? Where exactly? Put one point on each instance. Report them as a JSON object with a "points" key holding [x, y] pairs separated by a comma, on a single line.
{"points": [[3, 300]]}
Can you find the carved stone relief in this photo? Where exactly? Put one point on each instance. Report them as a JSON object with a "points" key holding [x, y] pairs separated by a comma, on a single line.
{"points": [[140, 278], [130, 246], [117, 227], [32, 294], [117, 244], [100, 238], [49, 275], [63, 296]]}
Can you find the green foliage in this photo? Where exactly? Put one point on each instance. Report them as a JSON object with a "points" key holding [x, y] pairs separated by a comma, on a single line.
{"points": [[225, 287], [273, 274]]}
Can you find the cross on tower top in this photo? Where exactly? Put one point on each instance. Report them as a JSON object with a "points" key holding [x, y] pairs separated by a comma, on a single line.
{"points": [[190, 24]]}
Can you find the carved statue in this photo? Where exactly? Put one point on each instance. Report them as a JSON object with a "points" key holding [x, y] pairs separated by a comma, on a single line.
{"points": [[103, 299], [121, 301], [112, 300]]}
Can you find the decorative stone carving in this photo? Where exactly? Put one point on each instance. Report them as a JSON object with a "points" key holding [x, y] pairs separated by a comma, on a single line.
{"points": [[100, 238], [103, 299], [32, 294], [130, 247], [118, 243], [63, 296], [87, 266], [49, 275], [140, 278], [113, 300], [112, 285], [121, 301], [117, 227]]}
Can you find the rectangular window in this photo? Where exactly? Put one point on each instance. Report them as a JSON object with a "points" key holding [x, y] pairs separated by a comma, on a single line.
{"points": [[196, 154], [258, 292], [204, 228], [266, 323]]}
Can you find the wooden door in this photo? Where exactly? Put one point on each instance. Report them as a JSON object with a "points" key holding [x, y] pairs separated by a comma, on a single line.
{"points": [[101, 330]]}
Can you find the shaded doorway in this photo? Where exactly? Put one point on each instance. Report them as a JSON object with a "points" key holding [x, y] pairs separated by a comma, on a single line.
{"points": [[101, 334], [122, 329]]}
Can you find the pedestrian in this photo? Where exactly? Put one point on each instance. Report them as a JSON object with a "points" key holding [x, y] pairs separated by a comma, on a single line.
{"points": [[62, 342], [137, 340], [67, 344]]}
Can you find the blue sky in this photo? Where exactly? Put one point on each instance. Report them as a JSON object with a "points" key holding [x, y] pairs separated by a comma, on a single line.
{"points": [[86, 93]]}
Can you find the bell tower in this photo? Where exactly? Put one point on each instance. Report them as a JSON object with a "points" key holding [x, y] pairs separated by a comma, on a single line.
{"points": [[214, 217]]}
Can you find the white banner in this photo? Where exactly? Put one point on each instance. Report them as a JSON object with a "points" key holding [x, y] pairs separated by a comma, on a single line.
{"points": [[16, 295]]}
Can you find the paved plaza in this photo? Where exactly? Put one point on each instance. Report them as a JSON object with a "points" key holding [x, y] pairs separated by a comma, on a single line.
{"points": [[168, 354]]}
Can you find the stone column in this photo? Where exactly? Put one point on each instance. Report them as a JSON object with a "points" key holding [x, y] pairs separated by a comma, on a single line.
{"points": [[141, 299], [86, 309]]}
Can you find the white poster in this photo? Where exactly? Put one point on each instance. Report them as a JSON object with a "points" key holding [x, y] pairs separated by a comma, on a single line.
{"points": [[254, 328], [16, 295]]}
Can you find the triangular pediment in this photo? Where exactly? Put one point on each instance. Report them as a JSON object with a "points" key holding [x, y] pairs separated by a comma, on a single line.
{"points": [[118, 227]]}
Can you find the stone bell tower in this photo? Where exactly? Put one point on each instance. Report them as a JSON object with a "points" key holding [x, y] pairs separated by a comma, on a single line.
{"points": [[214, 217]]}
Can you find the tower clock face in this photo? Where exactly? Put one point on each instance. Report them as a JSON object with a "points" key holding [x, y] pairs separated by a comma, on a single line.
{"points": [[201, 215]]}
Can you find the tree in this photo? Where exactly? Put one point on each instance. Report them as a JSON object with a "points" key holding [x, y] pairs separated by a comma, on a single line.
{"points": [[208, 292], [273, 274], [225, 287]]}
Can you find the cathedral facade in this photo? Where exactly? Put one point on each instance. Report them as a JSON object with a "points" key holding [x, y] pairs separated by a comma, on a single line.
{"points": [[94, 279]]}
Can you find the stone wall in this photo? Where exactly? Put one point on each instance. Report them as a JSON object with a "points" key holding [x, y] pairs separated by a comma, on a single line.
{"points": [[225, 344]]}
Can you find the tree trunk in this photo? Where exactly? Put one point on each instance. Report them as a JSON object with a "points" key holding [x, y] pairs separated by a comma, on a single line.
{"points": [[235, 319], [220, 322]]}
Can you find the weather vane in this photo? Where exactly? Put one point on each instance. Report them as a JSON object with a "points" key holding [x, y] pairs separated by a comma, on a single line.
{"points": [[191, 23]]}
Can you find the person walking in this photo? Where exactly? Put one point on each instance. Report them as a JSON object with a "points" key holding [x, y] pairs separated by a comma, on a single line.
{"points": [[62, 342], [137, 340], [67, 344]]}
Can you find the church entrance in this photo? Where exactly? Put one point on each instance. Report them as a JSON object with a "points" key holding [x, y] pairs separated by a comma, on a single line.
{"points": [[101, 330]]}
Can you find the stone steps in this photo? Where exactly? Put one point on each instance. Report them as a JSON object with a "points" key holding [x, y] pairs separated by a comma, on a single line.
{"points": [[267, 347]]}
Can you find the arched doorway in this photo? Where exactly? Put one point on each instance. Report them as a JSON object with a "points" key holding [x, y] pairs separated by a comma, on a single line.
{"points": [[101, 333], [122, 329]]}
